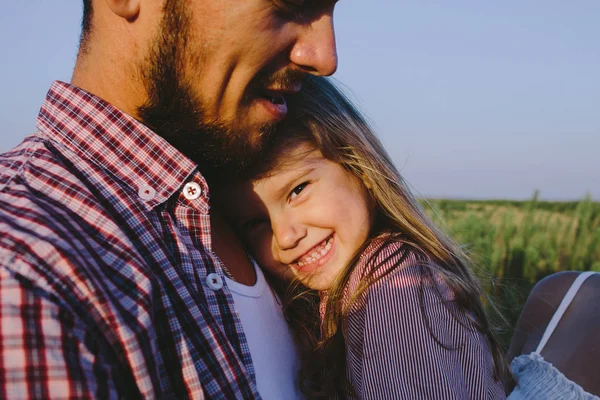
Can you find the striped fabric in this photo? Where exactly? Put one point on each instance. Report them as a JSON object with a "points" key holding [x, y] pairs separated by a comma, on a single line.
{"points": [[395, 351], [105, 256]]}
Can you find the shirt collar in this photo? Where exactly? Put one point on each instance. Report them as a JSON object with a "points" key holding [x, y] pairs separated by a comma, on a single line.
{"points": [[114, 141]]}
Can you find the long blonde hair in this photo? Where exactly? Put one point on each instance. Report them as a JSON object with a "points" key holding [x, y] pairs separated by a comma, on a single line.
{"points": [[322, 116]]}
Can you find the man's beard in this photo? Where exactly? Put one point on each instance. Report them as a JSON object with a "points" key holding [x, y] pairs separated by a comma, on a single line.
{"points": [[221, 150]]}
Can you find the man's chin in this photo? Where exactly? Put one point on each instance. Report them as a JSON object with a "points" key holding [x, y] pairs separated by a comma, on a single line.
{"points": [[226, 165], [231, 153], [222, 150]]}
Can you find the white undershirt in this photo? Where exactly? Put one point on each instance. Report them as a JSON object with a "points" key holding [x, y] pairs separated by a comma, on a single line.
{"points": [[272, 347]]}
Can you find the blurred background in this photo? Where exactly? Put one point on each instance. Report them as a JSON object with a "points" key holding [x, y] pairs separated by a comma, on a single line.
{"points": [[491, 111]]}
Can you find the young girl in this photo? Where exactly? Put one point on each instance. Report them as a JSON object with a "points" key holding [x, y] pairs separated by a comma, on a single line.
{"points": [[383, 302]]}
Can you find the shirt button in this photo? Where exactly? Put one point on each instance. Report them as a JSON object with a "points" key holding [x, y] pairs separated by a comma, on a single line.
{"points": [[214, 281], [146, 192], [192, 191]]}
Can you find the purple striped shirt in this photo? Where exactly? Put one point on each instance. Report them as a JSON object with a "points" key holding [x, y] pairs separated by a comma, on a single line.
{"points": [[107, 274], [391, 353]]}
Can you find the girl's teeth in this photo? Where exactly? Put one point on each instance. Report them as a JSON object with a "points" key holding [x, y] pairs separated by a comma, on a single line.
{"points": [[317, 254]]}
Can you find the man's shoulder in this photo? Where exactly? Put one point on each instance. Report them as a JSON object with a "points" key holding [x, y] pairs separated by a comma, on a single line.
{"points": [[48, 213], [23, 195], [61, 235], [35, 181], [13, 161]]}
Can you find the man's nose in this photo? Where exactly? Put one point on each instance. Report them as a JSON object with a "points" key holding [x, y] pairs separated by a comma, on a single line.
{"points": [[287, 234], [315, 50]]}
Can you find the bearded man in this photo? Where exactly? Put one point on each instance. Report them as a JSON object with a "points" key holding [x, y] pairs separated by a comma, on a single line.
{"points": [[113, 265]]}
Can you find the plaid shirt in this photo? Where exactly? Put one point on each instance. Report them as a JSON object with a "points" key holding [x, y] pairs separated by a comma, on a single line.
{"points": [[108, 284]]}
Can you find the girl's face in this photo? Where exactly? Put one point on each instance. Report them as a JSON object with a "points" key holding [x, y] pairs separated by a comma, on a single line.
{"points": [[307, 219]]}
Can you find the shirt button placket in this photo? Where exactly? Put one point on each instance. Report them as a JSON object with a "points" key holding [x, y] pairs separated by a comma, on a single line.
{"points": [[146, 192], [214, 281], [192, 191]]}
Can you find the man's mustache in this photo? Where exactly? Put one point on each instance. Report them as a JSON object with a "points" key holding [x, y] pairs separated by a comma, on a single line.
{"points": [[288, 78]]}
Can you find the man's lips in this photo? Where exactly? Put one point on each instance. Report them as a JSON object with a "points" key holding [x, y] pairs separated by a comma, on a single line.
{"points": [[276, 106], [283, 89], [277, 92], [273, 99]]}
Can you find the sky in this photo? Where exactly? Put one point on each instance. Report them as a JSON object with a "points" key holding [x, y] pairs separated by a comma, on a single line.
{"points": [[473, 99]]}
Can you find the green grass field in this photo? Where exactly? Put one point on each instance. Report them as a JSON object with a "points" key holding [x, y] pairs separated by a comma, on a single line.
{"points": [[517, 243]]}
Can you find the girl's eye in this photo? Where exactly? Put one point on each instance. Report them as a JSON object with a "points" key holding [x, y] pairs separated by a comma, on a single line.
{"points": [[297, 190]]}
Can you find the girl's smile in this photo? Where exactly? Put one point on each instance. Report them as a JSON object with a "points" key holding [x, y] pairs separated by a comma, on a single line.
{"points": [[316, 257], [307, 219]]}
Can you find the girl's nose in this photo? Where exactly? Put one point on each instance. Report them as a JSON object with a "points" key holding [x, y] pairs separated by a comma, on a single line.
{"points": [[287, 233]]}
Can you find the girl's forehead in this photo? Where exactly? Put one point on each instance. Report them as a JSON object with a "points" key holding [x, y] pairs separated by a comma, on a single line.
{"points": [[277, 182], [295, 157]]}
